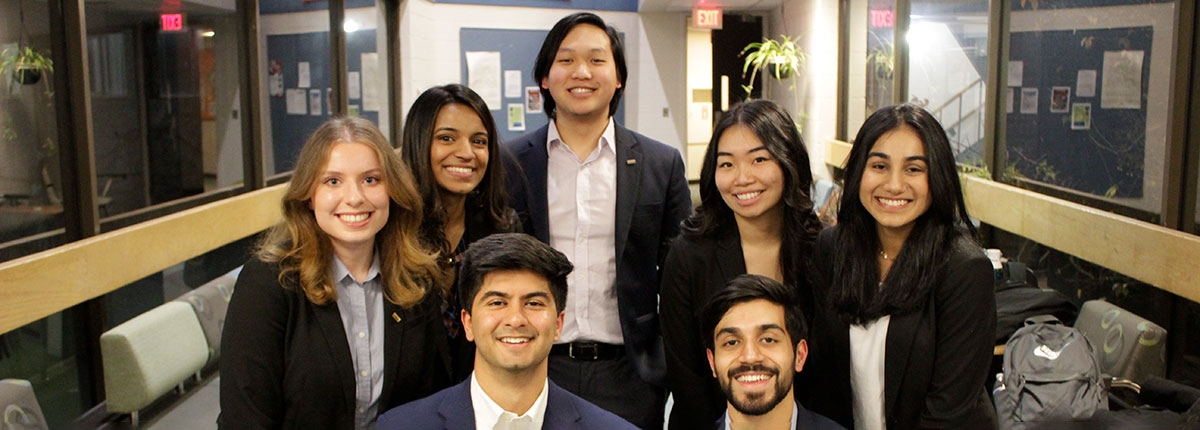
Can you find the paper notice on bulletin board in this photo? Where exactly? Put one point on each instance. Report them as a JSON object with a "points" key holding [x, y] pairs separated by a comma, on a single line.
{"points": [[371, 100], [1121, 81], [297, 101], [483, 76]]}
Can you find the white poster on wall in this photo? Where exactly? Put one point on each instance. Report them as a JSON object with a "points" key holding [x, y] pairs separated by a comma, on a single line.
{"points": [[1085, 84], [512, 84], [296, 101], [371, 93], [352, 87], [303, 79], [314, 102], [1016, 73], [483, 76], [1121, 83]]}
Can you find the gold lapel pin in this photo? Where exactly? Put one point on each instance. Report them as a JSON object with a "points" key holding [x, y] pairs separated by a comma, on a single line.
{"points": [[630, 162], [395, 317]]}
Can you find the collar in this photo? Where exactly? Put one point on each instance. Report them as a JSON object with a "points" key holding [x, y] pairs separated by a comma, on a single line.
{"points": [[340, 272], [795, 415], [607, 139], [488, 412]]}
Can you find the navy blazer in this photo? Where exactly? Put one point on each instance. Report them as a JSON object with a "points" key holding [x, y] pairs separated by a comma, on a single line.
{"points": [[652, 199], [937, 355], [286, 362], [805, 419], [452, 409]]}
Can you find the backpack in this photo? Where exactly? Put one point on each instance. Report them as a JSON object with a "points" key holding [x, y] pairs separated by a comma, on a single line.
{"points": [[1019, 297], [1050, 375]]}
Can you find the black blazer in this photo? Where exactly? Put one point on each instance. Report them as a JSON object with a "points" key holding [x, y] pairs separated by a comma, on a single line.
{"points": [[452, 409], [805, 420], [695, 269], [938, 355], [652, 199], [285, 362]]}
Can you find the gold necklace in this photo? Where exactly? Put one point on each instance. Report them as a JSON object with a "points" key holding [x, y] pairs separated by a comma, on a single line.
{"points": [[883, 255]]}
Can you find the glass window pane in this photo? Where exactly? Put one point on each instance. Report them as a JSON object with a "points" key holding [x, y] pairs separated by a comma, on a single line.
{"points": [[30, 195], [366, 65], [881, 18], [948, 69], [45, 354], [1088, 98], [297, 61], [165, 101]]}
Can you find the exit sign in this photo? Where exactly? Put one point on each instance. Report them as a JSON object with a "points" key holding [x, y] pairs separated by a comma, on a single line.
{"points": [[171, 21], [707, 18]]}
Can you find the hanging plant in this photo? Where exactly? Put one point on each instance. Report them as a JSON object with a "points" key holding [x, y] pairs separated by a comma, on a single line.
{"points": [[781, 58], [25, 65]]}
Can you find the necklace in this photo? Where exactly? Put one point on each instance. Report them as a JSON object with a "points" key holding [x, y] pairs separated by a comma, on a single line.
{"points": [[884, 255]]}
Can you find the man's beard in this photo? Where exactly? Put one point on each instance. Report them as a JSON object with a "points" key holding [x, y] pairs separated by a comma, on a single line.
{"points": [[755, 404]]}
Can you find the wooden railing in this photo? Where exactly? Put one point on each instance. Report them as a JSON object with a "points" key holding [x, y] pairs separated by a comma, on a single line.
{"points": [[39, 285], [1165, 258]]}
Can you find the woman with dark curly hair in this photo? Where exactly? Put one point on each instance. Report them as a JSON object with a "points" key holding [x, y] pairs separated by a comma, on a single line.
{"points": [[906, 314], [756, 216], [451, 145]]}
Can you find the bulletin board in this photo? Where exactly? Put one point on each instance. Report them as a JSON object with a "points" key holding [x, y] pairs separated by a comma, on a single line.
{"points": [[518, 51], [289, 130], [1061, 132]]}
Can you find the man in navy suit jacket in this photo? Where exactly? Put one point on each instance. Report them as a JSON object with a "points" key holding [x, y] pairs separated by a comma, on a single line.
{"points": [[512, 289], [609, 199], [754, 330]]}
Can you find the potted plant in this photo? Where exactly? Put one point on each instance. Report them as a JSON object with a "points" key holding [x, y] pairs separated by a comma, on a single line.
{"points": [[781, 58], [26, 65]]}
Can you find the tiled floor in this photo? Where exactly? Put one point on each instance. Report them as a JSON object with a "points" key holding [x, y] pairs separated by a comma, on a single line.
{"points": [[197, 410]]}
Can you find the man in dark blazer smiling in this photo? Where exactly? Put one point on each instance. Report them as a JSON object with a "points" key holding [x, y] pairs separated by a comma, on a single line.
{"points": [[512, 289], [610, 199]]}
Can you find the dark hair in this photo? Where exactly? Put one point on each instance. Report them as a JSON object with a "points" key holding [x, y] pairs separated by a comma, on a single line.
{"points": [[489, 200], [512, 251], [855, 291], [554, 39], [775, 128], [745, 288]]}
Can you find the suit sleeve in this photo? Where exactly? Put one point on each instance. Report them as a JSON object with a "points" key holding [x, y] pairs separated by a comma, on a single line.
{"points": [[678, 205], [688, 373], [251, 365], [966, 324]]}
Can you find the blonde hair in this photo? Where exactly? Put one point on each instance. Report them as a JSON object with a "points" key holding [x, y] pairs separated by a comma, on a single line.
{"points": [[303, 251]]}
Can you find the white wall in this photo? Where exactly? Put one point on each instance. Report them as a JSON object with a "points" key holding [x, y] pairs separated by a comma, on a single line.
{"points": [[813, 24], [654, 50]]}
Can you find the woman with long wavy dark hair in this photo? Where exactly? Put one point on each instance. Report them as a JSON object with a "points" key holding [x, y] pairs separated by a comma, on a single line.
{"points": [[451, 145], [905, 314], [335, 318], [756, 216]]}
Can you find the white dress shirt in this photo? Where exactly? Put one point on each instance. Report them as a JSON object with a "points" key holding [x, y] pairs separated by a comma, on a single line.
{"points": [[360, 305], [490, 416], [868, 348], [582, 202]]}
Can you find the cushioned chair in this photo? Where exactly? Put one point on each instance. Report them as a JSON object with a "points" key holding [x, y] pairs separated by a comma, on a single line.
{"points": [[20, 406], [147, 356], [1128, 346], [210, 301]]}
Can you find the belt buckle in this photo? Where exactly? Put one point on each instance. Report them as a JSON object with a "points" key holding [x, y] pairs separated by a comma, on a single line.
{"points": [[595, 348]]}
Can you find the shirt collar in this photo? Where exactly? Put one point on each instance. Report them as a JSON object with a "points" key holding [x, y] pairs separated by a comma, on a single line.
{"points": [[340, 272], [488, 411], [607, 139], [795, 414]]}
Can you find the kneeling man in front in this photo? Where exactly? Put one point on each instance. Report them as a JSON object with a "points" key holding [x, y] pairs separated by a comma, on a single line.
{"points": [[512, 289]]}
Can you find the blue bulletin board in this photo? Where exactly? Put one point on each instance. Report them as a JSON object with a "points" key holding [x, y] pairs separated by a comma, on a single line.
{"points": [[518, 50], [1101, 153], [290, 131]]}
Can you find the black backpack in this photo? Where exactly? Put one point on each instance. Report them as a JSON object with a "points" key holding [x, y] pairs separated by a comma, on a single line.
{"points": [[1018, 298], [1050, 375]]}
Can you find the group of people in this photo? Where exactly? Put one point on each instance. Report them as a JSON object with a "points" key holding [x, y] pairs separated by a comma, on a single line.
{"points": [[429, 288]]}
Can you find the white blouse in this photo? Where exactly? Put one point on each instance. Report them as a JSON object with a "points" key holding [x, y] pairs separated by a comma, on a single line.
{"points": [[868, 344]]}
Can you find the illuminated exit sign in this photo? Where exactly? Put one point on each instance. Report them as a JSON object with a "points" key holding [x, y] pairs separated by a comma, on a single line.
{"points": [[707, 18], [171, 21]]}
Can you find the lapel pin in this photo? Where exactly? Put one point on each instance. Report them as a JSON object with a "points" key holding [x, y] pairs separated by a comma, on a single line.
{"points": [[395, 317], [630, 162]]}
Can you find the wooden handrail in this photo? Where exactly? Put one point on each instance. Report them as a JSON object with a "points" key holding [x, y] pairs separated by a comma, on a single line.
{"points": [[36, 286], [1147, 252]]}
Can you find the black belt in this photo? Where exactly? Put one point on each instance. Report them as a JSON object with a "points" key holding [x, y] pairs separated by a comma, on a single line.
{"points": [[588, 351]]}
